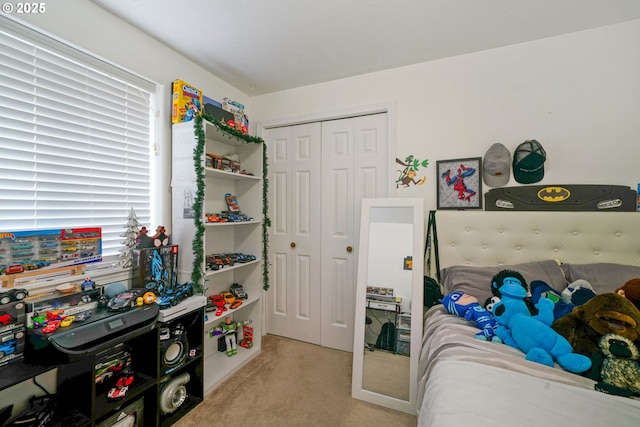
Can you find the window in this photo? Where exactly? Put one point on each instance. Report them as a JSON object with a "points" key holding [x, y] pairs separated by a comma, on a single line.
{"points": [[75, 138]]}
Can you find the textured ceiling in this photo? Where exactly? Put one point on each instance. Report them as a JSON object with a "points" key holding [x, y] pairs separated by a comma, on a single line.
{"points": [[262, 46]]}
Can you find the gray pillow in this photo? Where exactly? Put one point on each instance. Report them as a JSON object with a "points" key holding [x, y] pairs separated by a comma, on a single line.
{"points": [[604, 276], [476, 281]]}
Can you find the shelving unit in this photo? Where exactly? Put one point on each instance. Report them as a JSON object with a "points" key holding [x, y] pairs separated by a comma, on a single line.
{"points": [[231, 237], [85, 403]]}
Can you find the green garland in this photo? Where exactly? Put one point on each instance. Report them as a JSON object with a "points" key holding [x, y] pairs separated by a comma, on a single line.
{"points": [[197, 274]]}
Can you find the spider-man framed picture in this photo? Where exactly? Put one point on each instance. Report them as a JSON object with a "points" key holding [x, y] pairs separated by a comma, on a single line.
{"points": [[460, 183]]}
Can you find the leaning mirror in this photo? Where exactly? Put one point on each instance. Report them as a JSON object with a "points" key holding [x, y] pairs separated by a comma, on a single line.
{"points": [[389, 303]]}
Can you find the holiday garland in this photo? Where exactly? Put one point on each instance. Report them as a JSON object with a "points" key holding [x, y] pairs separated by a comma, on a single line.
{"points": [[198, 153]]}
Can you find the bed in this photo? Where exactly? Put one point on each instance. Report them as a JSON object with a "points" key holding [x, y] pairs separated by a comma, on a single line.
{"points": [[465, 381]]}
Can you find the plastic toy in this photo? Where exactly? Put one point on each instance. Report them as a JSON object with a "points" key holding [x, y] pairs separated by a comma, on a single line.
{"points": [[218, 301], [8, 348], [238, 291], [88, 284], [39, 320], [83, 315], [52, 326], [149, 297], [247, 337], [228, 329], [67, 321], [124, 301], [14, 268], [117, 393], [5, 319], [17, 294], [126, 379], [228, 297]]}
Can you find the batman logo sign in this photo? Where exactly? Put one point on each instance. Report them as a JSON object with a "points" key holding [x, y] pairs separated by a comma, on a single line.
{"points": [[553, 194]]}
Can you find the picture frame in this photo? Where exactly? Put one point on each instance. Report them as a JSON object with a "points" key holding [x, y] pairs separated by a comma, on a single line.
{"points": [[459, 183]]}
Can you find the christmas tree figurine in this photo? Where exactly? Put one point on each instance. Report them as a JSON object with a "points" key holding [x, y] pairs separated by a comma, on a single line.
{"points": [[131, 239]]}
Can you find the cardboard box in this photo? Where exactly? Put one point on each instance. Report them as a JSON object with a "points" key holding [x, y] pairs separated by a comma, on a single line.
{"points": [[12, 316], [241, 122], [217, 113], [12, 346], [29, 250], [186, 103], [156, 268]]}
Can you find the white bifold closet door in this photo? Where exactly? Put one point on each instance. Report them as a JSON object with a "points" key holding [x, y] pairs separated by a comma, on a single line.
{"points": [[318, 174]]}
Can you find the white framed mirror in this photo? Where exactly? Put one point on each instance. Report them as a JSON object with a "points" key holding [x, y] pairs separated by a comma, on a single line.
{"points": [[389, 303]]}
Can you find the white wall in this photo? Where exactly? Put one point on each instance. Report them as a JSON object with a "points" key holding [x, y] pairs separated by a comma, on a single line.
{"points": [[90, 27], [578, 94]]}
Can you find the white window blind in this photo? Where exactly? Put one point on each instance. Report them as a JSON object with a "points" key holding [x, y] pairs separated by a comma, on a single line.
{"points": [[75, 137]]}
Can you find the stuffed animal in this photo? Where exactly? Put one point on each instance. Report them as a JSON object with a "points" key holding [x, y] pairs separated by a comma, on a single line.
{"points": [[631, 291], [532, 334], [578, 292], [540, 289], [603, 314], [510, 276], [619, 371], [467, 306]]}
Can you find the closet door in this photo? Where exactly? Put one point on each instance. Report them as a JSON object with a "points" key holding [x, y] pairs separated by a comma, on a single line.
{"points": [[354, 166], [318, 175], [293, 299]]}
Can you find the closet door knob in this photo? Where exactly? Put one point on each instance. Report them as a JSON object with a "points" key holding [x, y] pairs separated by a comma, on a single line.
{"points": [[349, 249], [293, 244]]}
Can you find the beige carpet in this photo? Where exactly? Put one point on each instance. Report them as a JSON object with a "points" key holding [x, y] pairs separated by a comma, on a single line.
{"points": [[291, 383]]}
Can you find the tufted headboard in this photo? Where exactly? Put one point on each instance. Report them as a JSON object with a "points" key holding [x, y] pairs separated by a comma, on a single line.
{"points": [[481, 238]]}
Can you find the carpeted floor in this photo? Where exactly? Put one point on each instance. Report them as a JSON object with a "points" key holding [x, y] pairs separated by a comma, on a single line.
{"points": [[291, 383]]}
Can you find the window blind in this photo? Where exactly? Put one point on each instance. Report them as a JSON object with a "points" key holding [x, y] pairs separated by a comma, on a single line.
{"points": [[75, 138]]}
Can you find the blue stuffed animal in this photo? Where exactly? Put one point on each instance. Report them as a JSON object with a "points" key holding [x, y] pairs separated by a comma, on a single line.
{"points": [[540, 289], [533, 334], [467, 306]]}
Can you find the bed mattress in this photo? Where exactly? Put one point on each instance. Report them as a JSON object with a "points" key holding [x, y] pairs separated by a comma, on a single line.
{"points": [[465, 381]]}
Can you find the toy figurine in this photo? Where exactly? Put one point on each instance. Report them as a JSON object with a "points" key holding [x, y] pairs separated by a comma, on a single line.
{"points": [[228, 329], [88, 284]]}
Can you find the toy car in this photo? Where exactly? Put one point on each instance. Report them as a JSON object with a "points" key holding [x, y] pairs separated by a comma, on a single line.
{"points": [[125, 380], [13, 295], [215, 264], [39, 320], [237, 303], [67, 321], [14, 268], [218, 301], [167, 299], [228, 297], [117, 393], [238, 291], [5, 319], [51, 327], [83, 315], [213, 218], [8, 348], [123, 301]]}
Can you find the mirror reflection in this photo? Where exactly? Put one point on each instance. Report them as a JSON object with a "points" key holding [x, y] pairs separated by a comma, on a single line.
{"points": [[389, 278]]}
